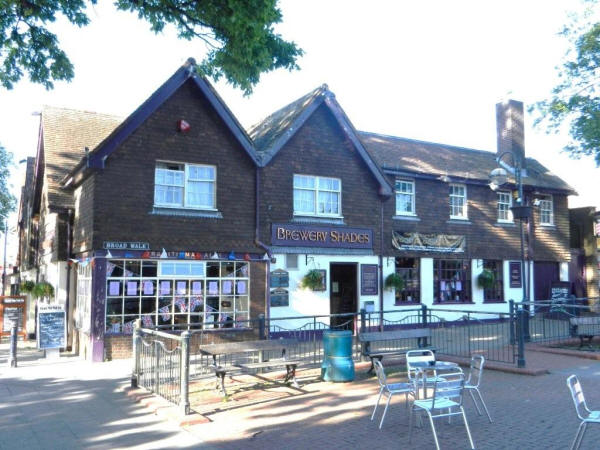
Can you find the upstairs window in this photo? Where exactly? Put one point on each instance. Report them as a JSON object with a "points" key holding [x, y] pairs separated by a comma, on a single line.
{"points": [[458, 201], [317, 196], [405, 198], [178, 185], [504, 205], [546, 210]]}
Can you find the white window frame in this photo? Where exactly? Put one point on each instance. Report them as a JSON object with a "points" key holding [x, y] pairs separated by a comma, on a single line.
{"points": [[509, 216], [316, 192], [464, 208], [546, 208], [399, 192], [186, 180]]}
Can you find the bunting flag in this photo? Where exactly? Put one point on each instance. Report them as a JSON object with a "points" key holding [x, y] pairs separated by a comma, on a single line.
{"points": [[211, 309], [164, 313], [147, 321], [196, 302], [115, 328], [109, 268], [180, 302]]}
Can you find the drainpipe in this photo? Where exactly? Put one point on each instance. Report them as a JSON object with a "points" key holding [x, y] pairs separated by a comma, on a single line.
{"points": [[262, 245], [68, 284], [381, 269]]}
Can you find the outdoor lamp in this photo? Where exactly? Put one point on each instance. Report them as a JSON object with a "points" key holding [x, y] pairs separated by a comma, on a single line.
{"points": [[498, 177]]}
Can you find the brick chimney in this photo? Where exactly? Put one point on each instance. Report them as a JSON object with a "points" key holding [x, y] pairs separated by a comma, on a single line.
{"points": [[511, 130]]}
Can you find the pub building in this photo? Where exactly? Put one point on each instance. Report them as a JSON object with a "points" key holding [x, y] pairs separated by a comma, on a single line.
{"points": [[177, 215]]}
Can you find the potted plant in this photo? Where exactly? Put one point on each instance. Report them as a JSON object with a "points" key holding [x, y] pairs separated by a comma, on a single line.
{"points": [[486, 279], [312, 280], [43, 290], [27, 286], [394, 281]]}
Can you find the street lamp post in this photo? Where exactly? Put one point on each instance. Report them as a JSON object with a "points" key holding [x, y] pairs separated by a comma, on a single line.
{"points": [[520, 211]]}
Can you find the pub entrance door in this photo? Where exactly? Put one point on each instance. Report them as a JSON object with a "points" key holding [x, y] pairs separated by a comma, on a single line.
{"points": [[343, 294]]}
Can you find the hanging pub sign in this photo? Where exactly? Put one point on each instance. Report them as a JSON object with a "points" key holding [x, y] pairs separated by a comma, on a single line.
{"points": [[368, 279], [280, 279], [444, 243], [111, 245], [300, 235], [514, 271]]}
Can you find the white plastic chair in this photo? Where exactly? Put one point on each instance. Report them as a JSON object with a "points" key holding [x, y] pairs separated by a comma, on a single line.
{"points": [[446, 400], [389, 389], [474, 380], [583, 412]]}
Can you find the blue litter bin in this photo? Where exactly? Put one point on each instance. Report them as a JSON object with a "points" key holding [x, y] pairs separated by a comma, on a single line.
{"points": [[337, 356]]}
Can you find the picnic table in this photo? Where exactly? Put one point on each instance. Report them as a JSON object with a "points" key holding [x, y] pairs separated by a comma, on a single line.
{"points": [[259, 347]]}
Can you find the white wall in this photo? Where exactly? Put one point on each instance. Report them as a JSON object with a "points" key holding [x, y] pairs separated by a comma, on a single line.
{"points": [[303, 302]]}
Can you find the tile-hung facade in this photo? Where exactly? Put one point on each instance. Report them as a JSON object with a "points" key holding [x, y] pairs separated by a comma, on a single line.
{"points": [[177, 216]]}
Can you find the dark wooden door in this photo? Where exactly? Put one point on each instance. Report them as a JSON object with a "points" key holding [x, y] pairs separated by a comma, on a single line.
{"points": [[343, 290], [544, 273]]}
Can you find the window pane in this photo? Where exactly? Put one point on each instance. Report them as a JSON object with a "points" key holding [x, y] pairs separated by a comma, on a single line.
{"points": [[304, 201], [303, 181], [328, 203], [330, 184], [200, 194]]}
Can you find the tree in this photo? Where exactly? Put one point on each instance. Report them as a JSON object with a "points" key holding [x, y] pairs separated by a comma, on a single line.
{"points": [[575, 101], [239, 36], [7, 200]]}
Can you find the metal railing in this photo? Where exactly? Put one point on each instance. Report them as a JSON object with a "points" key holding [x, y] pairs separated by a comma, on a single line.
{"points": [[166, 362]]}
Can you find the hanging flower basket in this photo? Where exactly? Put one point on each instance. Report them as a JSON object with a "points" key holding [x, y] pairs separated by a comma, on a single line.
{"points": [[393, 282], [27, 286], [43, 289], [313, 280], [486, 279]]}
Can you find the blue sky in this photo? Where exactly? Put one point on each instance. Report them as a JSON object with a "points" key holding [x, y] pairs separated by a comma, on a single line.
{"points": [[429, 70]]}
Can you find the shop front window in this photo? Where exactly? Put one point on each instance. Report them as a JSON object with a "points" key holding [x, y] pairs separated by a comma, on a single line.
{"points": [[212, 294], [452, 280], [494, 293], [408, 269]]}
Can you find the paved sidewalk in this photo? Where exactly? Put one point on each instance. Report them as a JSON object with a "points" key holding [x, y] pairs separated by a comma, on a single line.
{"points": [[73, 404]]}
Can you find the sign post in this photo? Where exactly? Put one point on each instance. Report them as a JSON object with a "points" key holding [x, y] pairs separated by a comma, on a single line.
{"points": [[51, 330]]}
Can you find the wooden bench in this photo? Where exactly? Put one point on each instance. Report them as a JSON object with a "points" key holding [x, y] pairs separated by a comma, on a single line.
{"points": [[290, 367], [421, 334], [585, 328]]}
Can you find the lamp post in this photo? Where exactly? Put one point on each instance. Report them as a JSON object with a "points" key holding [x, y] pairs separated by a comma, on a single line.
{"points": [[499, 177]]}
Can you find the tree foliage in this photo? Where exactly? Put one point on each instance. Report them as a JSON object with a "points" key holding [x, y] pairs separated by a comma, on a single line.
{"points": [[241, 43], [575, 101], [7, 200]]}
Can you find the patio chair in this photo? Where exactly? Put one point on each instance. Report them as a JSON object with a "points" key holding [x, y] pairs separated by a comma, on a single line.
{"points": [[583, 412], [413, 356], [474, 380], [388, 389], [446, 400]]}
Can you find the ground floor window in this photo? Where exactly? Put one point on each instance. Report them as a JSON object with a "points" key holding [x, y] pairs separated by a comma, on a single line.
{"points": [[408, 269], [452, 280], [205, 294], [494, 293]]}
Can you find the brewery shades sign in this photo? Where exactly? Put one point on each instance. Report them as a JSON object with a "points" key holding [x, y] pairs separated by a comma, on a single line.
{"points": [[320, 236], [445, 243]]}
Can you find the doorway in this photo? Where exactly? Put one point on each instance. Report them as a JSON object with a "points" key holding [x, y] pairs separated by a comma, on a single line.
{"points": [[544, 274], [343, 294]]}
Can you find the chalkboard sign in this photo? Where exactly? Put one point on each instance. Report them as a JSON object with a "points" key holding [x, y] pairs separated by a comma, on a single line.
{"points": [[11, 314], [51, 326], [559, 298], [280, 297], [280, 279], [368, 279], [12, 308], [514, 269]]}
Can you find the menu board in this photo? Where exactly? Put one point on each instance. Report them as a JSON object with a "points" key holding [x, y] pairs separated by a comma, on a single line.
{"points": [[280, 279], [368, 279], [559, 292], [514, 269], [51, 326], [280, 297], [12, 308]]}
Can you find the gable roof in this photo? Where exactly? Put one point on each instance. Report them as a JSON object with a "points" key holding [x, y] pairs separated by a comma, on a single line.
{"points": [[64, 135], [186, 72], [271, 135], [397, 155]]}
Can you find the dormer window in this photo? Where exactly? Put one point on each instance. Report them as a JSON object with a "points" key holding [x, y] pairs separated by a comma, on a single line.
{"points": [[317, 196]]}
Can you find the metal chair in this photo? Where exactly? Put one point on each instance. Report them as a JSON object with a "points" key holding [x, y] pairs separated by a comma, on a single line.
{"points": [[413, 356], [446, 400], [389, 389], [583, 412], [474, 380]]}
